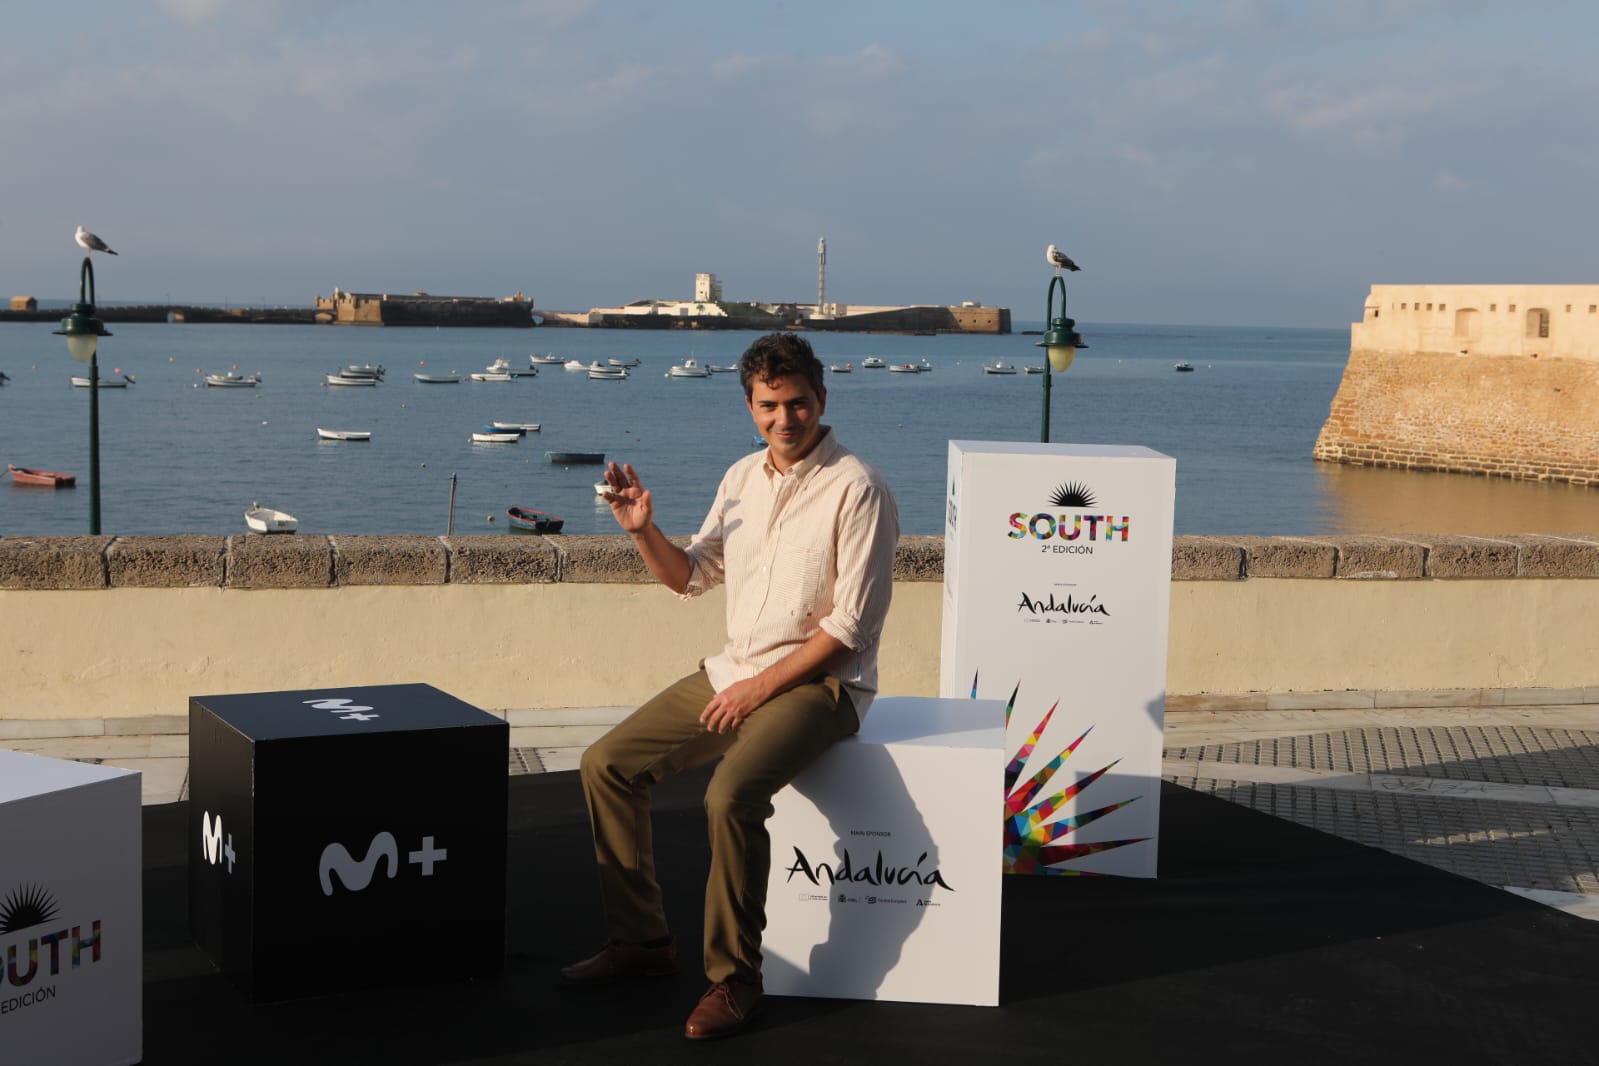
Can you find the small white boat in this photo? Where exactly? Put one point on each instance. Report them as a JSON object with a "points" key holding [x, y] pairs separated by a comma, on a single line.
{"points": [[575, 365], [626, 363], [503, 366], [484, 375], [601, 488], [999, 367], [689, 369], [545, 360], [871, 362], [104, 383], [496, 438], [1035, 370], [904, 368], [1183, 368], [842, 368], [265, 520], [716, 368], [343, 434], [343, 382], [438, 379], [230, 380], [516, 427], [363, 370], [607, 373]]}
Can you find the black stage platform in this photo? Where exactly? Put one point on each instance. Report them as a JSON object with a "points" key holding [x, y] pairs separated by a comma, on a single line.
{"points": [[1261, 942]]}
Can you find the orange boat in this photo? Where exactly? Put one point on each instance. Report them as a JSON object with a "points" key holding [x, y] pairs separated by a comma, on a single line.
{"points": [[49, 478]]}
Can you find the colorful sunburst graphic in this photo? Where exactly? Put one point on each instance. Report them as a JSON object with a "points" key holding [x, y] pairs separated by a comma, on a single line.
{"points": [[25, 906], [1034, 838]]}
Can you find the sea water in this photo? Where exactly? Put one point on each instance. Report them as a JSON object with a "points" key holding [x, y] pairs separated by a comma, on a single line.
{"points": [[178, 457]]}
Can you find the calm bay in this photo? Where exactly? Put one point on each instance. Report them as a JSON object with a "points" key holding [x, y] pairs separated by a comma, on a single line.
{"points": [[177, 457]]}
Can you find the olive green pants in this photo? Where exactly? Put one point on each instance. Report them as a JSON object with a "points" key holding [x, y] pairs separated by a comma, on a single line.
{"points": [[763, 754]]}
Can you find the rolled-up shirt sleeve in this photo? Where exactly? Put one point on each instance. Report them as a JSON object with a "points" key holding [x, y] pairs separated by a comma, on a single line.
{"points": [[705, 550], [868, 533]]}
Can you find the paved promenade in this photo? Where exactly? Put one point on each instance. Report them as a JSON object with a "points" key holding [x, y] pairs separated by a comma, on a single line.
{"points": [[1507, 796]]}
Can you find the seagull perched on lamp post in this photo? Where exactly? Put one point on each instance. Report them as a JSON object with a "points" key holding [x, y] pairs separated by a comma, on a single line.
{"points": [[94, 244], [1059, 259]]}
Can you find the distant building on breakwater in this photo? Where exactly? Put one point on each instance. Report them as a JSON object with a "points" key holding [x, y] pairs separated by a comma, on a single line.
{"points": [[708, 310], [423, 309], [1497, 380]]}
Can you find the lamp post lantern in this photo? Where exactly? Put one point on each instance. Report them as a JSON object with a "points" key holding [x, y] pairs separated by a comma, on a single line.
{"points": [[1060, 342], [83, 332]]}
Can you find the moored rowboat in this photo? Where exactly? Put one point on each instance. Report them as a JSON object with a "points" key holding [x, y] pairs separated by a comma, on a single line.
{"points": [[265, 520], [23, 475], [527, 520]]}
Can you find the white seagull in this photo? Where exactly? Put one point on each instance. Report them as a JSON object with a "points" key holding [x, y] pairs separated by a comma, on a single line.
{"points": [[1054, 255], [95, 244]]}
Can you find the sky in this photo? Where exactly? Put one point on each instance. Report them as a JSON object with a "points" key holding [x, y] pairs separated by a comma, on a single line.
{"points": [[1252, 162]]}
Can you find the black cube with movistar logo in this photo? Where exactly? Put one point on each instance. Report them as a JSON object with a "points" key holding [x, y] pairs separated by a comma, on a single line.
{"points": [[343, 836]]}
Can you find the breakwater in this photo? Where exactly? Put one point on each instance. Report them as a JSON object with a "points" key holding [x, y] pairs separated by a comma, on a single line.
{"points": [[248, 316], [122, 628], [925, 319]]}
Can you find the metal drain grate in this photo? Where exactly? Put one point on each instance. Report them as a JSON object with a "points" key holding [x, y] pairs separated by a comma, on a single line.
{"points": [[1514, 755], [526, 761]]}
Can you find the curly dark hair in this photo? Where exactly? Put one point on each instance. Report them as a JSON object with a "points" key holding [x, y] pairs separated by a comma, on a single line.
{"points": [[778, 355]]}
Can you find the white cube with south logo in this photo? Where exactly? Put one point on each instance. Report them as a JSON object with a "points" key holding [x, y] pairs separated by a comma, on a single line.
{"points": [[71, 914], [1057, 599]]}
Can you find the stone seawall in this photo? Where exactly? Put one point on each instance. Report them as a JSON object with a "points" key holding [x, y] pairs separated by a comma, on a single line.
{"points": [[1497, 416], [311, 561], [123, 627]]}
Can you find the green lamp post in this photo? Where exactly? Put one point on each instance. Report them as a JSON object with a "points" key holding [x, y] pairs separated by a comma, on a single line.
{"points": [[83, 332], [1060, 342]]}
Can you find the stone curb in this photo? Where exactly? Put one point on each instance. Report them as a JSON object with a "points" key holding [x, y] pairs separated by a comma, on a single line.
{"points": [[1177, 704], [302, 561]]}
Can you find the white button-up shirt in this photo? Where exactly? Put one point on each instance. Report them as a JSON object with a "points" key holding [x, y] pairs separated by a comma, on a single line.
{"points": [[808, 548]]}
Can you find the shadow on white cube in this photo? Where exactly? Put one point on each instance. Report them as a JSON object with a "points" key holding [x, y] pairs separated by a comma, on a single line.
{"points": [[887, 860]]}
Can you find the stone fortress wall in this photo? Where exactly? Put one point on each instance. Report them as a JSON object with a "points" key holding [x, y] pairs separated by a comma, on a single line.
{"points": [[111, 633], [1498, 380]]}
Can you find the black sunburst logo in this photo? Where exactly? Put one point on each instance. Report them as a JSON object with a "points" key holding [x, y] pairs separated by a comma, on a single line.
{"points": [[1073, 494], [25, 906]]}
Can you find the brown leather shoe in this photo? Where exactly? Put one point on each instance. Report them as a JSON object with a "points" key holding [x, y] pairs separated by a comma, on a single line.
{"points": [[722, 1011], [619, 961]]}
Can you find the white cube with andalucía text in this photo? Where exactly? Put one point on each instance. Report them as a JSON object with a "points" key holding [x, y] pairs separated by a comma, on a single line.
{"points": [[1057, 597], [885, 879], [71, 914]]}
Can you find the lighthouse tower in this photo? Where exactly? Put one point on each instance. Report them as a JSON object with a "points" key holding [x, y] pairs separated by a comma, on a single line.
{"points": [[821, 276]]}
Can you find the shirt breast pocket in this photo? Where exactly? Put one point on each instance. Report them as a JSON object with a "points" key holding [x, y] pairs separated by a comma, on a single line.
{"points": [[797, 581]]}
